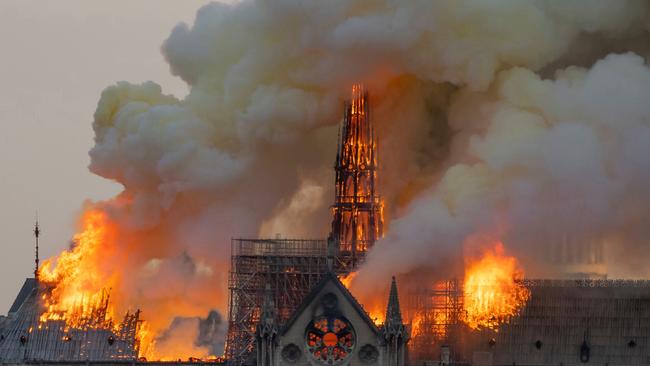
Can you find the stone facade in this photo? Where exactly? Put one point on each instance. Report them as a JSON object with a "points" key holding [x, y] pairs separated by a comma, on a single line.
{"points": [[331, 328]]}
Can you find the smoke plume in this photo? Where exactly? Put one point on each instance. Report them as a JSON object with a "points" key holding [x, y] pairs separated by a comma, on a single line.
{"points": [[206, 334], [525, 120]]}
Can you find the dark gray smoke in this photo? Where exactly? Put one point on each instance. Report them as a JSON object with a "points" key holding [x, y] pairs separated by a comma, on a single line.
{"points": [[211, 333]]}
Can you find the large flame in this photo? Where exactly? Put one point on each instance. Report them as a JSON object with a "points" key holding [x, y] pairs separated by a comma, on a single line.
{"points": [[75, 290], [492, 294], [76, 286]]}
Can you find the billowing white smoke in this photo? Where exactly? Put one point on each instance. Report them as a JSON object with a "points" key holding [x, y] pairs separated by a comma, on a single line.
{"points": [[535, 161], [472, 139]]}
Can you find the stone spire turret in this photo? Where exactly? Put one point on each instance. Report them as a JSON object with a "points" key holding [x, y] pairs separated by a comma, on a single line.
{"points": [[395, 333], [393, 311]]}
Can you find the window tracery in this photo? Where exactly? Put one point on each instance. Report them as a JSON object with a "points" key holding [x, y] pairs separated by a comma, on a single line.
{"points": [[330, 340]]}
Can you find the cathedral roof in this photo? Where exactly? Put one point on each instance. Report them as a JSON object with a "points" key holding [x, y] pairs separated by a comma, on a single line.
{"points": [[25, 291]]}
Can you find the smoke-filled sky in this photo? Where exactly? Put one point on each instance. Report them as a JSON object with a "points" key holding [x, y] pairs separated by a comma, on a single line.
{"points": [[526, 122], [56, 58]]}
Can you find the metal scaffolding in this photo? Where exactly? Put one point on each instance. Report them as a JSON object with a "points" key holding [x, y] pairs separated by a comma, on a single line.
{"points": [[435, 315], [291, 268]]}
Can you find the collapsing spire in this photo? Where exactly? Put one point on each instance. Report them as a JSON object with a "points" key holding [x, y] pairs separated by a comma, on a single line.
{"points": [[357, 211]]}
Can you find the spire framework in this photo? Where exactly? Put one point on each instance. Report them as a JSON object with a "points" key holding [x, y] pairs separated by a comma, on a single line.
{"points": [[357, 211]]}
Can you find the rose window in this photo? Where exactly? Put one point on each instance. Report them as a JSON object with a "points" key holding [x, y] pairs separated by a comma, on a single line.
{"points": [[330, 340]]}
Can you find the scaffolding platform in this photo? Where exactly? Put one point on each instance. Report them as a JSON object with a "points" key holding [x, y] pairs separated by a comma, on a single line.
{"points": [[290, 266]]}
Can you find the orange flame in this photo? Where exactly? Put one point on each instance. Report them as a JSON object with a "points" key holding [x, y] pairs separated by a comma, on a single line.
{"points": [[417, 325], [375, 307], [347, 279], [439, 314], [74, 288], [492, 294], [376, 313]]}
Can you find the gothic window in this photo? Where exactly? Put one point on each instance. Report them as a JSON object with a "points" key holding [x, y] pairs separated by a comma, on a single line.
{"points": [[330, 340]]}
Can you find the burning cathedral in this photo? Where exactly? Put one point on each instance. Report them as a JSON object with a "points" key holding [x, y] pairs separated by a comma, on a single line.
{"points": [[289, 303]]}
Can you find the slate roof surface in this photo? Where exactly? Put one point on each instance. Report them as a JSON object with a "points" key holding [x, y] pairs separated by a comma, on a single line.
{"points": [[27, 288]]}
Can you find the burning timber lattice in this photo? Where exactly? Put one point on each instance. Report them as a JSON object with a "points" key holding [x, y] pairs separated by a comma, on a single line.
{"points": [[436, 313], [357, 212], [94, 336]]}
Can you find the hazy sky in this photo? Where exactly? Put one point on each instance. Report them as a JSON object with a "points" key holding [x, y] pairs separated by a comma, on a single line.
{"points": [[55, 59]]}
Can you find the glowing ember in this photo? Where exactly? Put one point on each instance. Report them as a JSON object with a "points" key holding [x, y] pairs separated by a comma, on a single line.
{"points": [[492, 293]]}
